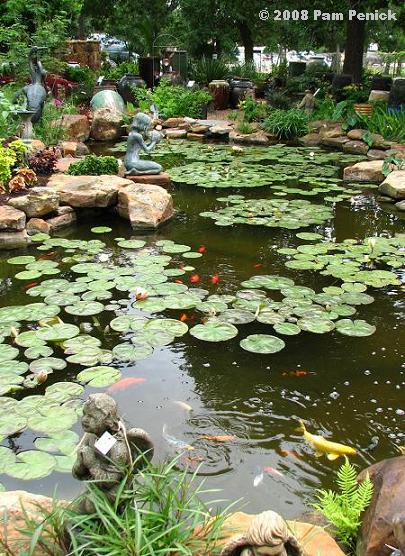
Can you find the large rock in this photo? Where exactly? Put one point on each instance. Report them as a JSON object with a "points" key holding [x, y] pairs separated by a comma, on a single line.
{"points": [[388, 500], [331, 133], [257, 138], [144, 205], [377, 154], [36, 225], [310, 140], [356, 134], [106, 124], [175, 122], [394, 185], [162, 179], [15, 507], [76, 127], [87, 191], [220, 130], [314, 540], [62, 220], [376, 95], [370, 170], [174, 133], [63, 164], [14, 240], [39, 201], [334, 142], [74, 148], [355, 147], [11, 219]]}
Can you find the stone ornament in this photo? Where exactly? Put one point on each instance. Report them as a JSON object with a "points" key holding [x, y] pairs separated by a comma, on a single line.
{"points": [[140, 131], [131, 448], [267, 535]]}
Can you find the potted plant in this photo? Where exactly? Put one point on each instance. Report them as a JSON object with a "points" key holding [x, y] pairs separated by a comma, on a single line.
{"points": [[358, 95]]}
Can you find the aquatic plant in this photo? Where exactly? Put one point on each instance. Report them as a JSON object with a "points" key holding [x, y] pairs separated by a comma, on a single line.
{"points": [[157, 509], [92, 165], [287, 124], [344, 508]]}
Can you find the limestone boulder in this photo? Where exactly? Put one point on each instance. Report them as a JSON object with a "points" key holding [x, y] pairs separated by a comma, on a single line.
{"points": [[370, 170], [199, 128], [36, 225], [394, 185], [13, 505], [87, 191], [331, 133], [11, 219], [74, 148], [356, 134], [318, 125], [162, 179], [175, 122], [220, 130], [400, 206], [76, 127], [63, 164], [36, 145], [39, 201], [310, 140], [145, 205], [14, 240], [195, 136], [388, 477], [256, 138], [334, 142], [63, 219], [376, 95], [176, 133], [355, 147], [107, 124], [377, 154]]}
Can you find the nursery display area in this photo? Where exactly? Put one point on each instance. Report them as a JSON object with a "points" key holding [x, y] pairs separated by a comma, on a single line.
{"points": [[201, 290]]}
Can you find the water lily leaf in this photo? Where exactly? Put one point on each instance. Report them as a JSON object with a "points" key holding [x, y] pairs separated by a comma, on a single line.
{"points": [[308, 236], [287, 328], [211, 307], [182, 301], [131, 243], [7, 457], [61, 392], [17, 367], [170, 289], [85, 308], [64, 442], [11, 423], [64, 464], [175, 248], [29, 339], [61, 299], [98, 295], [132, 352], [28, 275], [52, 419], [23, 260], [171, 326], [262, 343], [31, 465], [154, 338], [316, 325], [126, 323], [358, 328], [8, 352], [191, 255], [58, 332], [100, 376], [357, 298], [236, 316], [268, 316], [101, 230], [151, 304], [214, 331], [80, 343], [353, 287], [38, 351]]}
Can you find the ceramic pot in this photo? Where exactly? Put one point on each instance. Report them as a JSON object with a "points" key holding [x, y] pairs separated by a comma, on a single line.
{"points": [[219, 90]]}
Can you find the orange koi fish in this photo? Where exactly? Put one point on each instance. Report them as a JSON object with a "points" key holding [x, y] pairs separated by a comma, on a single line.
{"points": [[272, 471], [194, 278], [124, 383], [183, 317], [201, 249], [30, 285], [215, 279], [218, 438]]}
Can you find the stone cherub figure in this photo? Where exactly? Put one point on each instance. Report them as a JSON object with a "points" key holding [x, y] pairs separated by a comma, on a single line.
{"points": [[100, 415], [35, 92], [267, 535], [140, 130]]}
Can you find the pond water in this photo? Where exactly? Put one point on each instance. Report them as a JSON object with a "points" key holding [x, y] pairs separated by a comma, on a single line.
{"points": [[349, 389]]}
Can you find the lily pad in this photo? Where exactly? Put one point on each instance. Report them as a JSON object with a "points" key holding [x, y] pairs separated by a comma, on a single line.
{"points": [[214, 331], [61, 392], [262, 343], [132, 352], [316, 325], [99, 377], [287, 328], [358, 328], [52, 419], [171, 326], [31, 465], [85, 308], [101, 230]]}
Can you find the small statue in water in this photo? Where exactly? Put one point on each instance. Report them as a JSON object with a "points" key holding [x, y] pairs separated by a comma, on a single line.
{"points": [[108, 448], [35, 92], [140, 127]]}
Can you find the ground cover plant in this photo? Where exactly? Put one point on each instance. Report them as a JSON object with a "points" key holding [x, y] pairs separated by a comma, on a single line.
{"points": [[92, 165]]}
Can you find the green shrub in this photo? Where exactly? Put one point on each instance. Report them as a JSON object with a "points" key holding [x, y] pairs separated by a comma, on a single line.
{"points": [[246, 70], [287, 124], [343, 509], [12, 155], [205, 70], [51, 133], [120, 70], [92, 165], [278, 100], [245, 128], [324, 109], [156, 513], [253, 110], [85, 77]]}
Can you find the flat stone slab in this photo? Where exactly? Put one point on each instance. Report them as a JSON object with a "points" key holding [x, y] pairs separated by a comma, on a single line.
{"points": [[370, 170], [394, 185], [87, 191], [39, 201], [162, 179], [14, 240], [62, 165], [145, 205], [355, 147], [174, 133], [257, 138], [11, 219]]}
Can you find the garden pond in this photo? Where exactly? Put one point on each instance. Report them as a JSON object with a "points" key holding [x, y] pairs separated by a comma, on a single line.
{"points": [[254, 307]]}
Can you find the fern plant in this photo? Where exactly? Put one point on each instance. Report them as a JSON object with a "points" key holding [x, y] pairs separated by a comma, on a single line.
{"points": [[343, 509]]}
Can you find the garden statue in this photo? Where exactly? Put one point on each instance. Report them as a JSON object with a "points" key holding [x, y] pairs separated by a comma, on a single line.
{"points": [[398, 526], [35, 92], [267, 535], [308, 102], [107, 448], [140, 127]]}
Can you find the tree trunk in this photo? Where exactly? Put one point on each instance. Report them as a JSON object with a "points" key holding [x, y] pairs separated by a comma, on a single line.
{"points": [[247, 40], [355, 39]]}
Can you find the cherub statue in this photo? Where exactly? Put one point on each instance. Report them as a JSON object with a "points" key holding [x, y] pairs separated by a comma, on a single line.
{"points": [[107, 466], [140, 127], [267, 535]]}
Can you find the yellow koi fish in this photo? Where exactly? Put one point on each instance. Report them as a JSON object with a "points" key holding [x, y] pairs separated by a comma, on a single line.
{"points": [[321, 446]]}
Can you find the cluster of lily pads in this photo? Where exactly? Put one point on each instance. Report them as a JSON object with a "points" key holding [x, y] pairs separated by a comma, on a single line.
{"points": [[272, 213]]}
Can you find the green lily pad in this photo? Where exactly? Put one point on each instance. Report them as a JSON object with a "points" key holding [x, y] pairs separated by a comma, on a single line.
{"points": [[101, 230], [287, 328], [262, 343], [17, 367], [7, 457], [236, 316], [64, 442], [126, 323], [131, 243], [28, 275], [11, 424], [154, 338], [214, 331], [35, 352], [308, 236], [100, 376], [358, 328], [52, 419], [64, 464], [171, 326], [58, 332], [8, 352], [132, 352], [85, 308], [316, 325], [61, 392], [31, 465]]}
